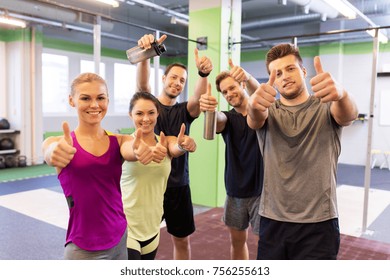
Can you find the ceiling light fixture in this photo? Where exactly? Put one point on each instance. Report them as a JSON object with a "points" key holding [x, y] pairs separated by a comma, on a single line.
{"points": [[113, 3], [176, 20], [12, 21], [344, 7], [159, 8], [349, 9]]}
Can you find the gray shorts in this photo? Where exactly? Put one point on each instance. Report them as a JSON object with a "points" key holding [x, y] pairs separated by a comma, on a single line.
{"points": [[119, 252], [240, 212]]}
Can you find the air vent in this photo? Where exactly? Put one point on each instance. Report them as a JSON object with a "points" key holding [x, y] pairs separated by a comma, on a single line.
{"points": [[87, 18]]}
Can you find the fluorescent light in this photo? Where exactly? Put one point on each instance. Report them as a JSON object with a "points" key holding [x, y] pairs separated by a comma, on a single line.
{"points": [[12, 21], [159, 8], [175, 20], [344, 7], [382, 37], [113, 3]]}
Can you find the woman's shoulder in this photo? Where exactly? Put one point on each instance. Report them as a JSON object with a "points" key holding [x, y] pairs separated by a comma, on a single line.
{"points": [[120, 137]]}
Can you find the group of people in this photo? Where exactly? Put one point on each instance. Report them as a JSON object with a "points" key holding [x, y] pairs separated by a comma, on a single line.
{"points": [[280, 161]]}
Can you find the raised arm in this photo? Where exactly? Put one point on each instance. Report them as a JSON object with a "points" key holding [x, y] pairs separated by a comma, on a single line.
{"points": [[343, 107], [239, 74], [204, 66], [143, 67]]}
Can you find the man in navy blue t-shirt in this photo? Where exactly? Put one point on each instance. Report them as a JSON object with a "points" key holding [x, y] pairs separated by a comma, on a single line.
{"points": [[243, 160]]}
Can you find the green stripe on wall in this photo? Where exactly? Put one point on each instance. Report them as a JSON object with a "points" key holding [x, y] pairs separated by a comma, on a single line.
{"points": [[7, 35], [331, 48], [260, 54], [15, 35], [88, 49], [253, 55]]}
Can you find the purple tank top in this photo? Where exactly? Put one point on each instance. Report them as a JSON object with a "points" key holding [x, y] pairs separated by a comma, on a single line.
{"points": [[91, 185]]}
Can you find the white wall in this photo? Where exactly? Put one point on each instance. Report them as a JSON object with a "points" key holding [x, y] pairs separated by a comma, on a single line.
{"points": [[3, 96]]}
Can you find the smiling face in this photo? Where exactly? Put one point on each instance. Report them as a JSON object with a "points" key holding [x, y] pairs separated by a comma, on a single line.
{"points": [[232, 91], [290, 79], [174, 82], [91, 101], [144, 114]]}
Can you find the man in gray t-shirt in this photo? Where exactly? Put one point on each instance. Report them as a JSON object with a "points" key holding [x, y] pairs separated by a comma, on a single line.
{"points": [[299, 136]]}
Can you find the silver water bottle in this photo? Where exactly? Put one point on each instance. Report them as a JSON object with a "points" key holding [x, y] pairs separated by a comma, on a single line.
{"points": [[210, 125], [137, 54]]}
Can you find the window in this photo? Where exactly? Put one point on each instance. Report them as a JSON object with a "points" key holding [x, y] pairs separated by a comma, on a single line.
{"points": [[124, 85], [89, 66], [151, 81], [55, 83], [59, 67]]}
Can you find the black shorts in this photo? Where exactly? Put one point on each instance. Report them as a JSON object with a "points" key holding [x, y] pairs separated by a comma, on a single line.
{"points": [[298, 241], [178, 211]]}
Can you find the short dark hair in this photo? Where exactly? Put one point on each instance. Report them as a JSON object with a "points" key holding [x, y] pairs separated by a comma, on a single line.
{"points": [[177, 64], [282, 50], [143, 95], [221, 76]]}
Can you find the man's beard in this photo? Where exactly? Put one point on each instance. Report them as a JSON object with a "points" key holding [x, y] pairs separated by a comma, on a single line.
{"points": [[172, 96]]}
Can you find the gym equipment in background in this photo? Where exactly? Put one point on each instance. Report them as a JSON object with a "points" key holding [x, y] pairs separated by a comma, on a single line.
{"points": [[22, 161], [6, 144], [2, 162], [4, 123], [10, 161]]}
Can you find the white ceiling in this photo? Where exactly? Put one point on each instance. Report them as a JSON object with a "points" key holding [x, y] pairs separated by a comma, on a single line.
{"points": [[262, 20]]}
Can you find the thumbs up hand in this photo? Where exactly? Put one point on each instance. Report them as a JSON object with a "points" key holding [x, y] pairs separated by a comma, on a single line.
{"points": [[265, 95], [185, 142], [160, 151], [203, 63], [142, 151], [61, 152], [238, 73], [324, 86], [207, 102]]}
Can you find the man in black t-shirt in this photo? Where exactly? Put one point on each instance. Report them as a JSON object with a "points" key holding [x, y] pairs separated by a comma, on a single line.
{"points": [[243, 160]]}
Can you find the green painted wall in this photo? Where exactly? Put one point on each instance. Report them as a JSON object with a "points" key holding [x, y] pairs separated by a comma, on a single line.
{"points": [[206, 174]]}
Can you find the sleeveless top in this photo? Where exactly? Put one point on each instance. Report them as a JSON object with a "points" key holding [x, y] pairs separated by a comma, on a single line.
{"points": [[143, 188], [300, 146], [91, 185]]}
